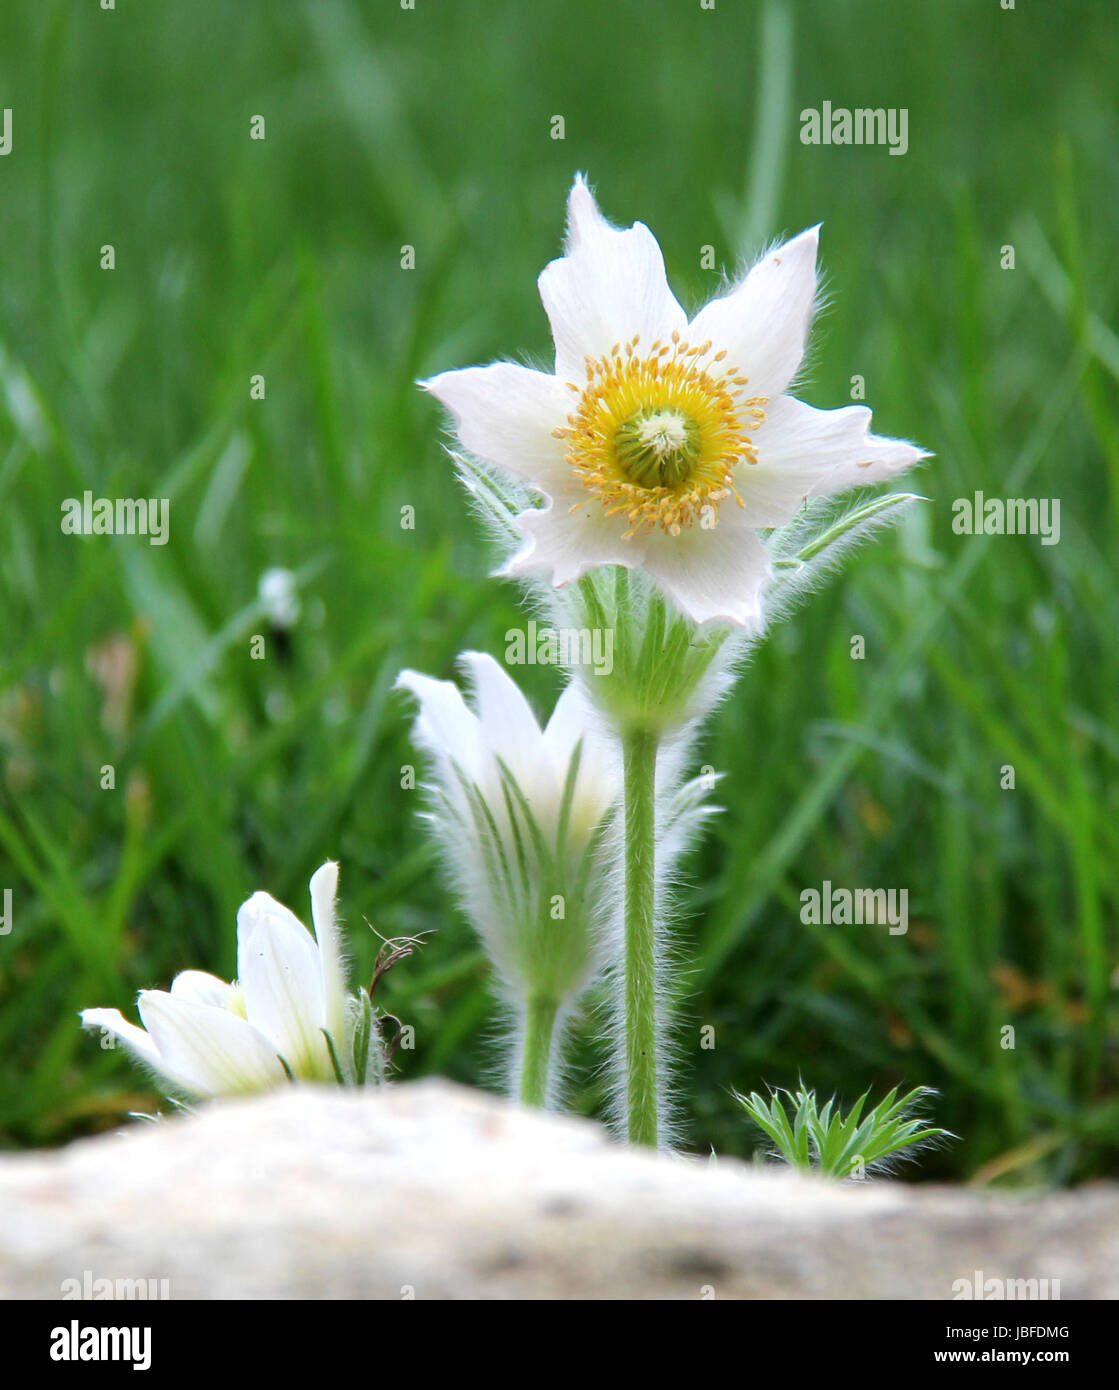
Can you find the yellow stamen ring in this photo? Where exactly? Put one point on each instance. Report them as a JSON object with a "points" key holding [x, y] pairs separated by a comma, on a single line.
{"points": [[659, 436]]}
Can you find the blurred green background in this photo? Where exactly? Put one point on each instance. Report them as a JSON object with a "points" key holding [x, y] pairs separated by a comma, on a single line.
{"points": [[431, 128]]}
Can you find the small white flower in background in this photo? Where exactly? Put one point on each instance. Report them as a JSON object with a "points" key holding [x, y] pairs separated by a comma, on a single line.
{"points": [[520, 811], [661, 444], [207, 1038], [278, 595]]}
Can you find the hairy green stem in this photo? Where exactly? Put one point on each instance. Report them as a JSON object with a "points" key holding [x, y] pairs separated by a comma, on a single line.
{"points": [[640, 765], [540, 1021]]}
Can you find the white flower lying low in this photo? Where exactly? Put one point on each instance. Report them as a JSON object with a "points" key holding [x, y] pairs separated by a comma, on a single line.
{"points": [[661, 444], [288, 1016]]}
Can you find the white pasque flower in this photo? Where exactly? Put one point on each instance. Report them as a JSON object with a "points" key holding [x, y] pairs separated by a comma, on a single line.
{"points": [[658, 443], [205, 1037], [520, 813]]}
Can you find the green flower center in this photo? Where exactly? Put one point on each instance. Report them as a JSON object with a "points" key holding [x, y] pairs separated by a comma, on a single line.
{"points": [[658, 446]]}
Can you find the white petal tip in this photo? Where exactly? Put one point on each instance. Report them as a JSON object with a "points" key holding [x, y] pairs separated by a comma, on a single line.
{"points": [[471, 661], [325, 878], [256, 909], [414, 683], [525, 567], [580, 192], [804, 243], [435, 386]]}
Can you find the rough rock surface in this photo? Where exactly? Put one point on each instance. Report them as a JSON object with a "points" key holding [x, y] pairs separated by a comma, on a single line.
{"points": [[431, 1191]]}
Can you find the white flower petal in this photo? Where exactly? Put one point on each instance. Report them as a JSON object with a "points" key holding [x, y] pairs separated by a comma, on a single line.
{"points": [[278, 970], [763, 322], [445, 728], [203, 988], [713, 575], [214, 1051], [569, 723], [138, 1043], [804, 452], [505, 414], [508, 724], [510, 732], [608, 287], [324, 890], [565, 543], [574, 719]]}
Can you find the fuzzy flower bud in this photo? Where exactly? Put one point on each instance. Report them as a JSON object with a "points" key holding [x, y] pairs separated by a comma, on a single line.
{"points": [[520, 813]]}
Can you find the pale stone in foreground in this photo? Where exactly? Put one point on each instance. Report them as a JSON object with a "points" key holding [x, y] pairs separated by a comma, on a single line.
{"points": [[431, 1191]]}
